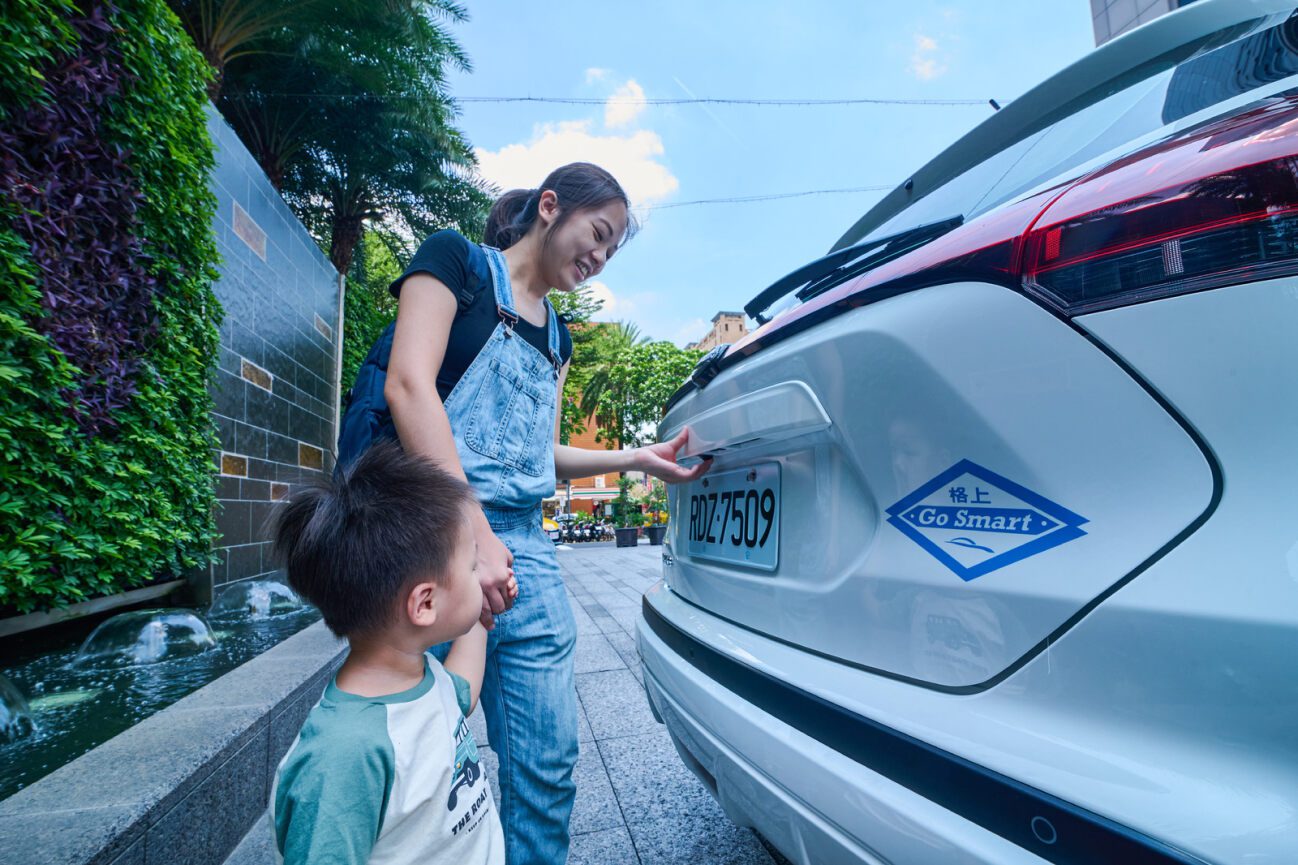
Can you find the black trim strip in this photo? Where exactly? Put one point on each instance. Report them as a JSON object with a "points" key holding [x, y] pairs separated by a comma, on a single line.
{"points": [[1046, 825]]}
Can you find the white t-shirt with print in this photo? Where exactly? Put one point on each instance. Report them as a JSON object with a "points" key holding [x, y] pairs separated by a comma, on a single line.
{"points": [[387, 781]]}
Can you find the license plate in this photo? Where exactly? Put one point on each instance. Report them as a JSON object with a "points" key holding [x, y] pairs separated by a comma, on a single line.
{"points": [[735, 516]]}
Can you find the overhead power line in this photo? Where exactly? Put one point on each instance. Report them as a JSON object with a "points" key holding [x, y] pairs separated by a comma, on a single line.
{"points": [[614, 100], [617, 100], [744, 199]]}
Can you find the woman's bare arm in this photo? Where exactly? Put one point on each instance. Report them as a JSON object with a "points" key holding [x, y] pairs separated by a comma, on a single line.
{"points": [[658, 460]]}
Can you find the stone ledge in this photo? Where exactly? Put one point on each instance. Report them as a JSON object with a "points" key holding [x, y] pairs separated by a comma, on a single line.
{"points": [[183, 785]]}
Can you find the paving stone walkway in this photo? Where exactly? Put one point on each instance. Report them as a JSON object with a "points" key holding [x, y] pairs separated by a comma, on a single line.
{"points": [[636, 804]]}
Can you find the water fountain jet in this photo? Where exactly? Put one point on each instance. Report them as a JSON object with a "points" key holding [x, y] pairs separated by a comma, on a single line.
{"points": [[257, 599], [145, 637], [15, 714]]}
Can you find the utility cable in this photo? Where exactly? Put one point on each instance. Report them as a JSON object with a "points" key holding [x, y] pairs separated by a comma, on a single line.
{"points": [[615, 100], [745, 199]]}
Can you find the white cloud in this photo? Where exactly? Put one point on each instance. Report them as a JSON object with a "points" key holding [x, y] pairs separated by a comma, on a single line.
{"points": [[631, 158], [594, 74], [625, 105], [600, 291], [924, 62]]}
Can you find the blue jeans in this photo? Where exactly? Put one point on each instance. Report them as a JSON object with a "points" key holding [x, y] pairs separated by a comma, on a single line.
{"points": [[529, 697]]}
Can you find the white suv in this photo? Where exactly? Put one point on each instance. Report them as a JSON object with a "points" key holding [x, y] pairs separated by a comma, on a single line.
{"points": [[998, 560]]}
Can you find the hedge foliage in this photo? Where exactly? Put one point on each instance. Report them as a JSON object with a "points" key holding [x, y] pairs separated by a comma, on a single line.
{"points": [[106, 252]]}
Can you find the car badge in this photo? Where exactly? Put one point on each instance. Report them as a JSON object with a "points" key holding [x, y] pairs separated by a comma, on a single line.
{"points": [[975, 521]]}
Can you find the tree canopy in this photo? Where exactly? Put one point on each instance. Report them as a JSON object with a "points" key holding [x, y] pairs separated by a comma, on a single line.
{"points": [[344, 104], [629, 392]]}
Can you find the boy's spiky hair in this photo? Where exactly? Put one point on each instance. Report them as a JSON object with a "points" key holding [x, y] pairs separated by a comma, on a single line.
{"points": [[350, 545]]}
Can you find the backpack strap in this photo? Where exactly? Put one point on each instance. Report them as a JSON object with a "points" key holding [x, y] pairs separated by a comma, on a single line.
{"points": [[479, 275]]}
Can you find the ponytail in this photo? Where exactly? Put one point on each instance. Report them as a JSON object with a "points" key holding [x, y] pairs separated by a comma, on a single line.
{"points": [[578, 185], [509, 218]]}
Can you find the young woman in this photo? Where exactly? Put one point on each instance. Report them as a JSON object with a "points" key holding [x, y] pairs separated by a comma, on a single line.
{"points": [[474, 381]]}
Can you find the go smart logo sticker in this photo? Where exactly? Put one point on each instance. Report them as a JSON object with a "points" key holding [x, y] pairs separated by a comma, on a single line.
{"points": [[974, 521]]}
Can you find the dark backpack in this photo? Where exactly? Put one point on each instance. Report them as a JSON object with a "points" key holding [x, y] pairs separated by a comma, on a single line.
{"points": [[366, 417]]}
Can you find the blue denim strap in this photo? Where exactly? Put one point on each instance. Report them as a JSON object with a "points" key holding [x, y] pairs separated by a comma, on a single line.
{"points": [[505, 304], [553, 344], [500, 283]]}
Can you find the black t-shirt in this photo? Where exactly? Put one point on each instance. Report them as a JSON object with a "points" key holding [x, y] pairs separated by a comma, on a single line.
{"points": [[445, 255]]}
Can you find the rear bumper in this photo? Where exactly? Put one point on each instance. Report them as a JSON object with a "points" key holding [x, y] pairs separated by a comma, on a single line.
{"points": [[825, 785]]}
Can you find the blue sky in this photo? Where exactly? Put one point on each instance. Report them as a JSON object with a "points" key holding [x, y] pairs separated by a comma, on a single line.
{"points": [[689, 262]]}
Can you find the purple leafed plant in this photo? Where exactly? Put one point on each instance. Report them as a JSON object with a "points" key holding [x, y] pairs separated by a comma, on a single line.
{"points": [[74, 200]]}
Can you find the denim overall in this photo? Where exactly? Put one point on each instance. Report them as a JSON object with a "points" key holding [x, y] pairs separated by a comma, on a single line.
{"points": [[502, 413]]}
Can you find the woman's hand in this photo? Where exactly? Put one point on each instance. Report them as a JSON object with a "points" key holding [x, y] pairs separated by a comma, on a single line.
{"points": [[660, 461], [495, 574]]}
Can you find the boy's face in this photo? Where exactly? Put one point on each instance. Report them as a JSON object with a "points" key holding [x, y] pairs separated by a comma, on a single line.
{"points": [[461, 593]]}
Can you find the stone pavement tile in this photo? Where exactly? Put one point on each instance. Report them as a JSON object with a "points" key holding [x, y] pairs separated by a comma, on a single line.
{"points": [[606, 623], [610, 847], [478, 726], [596, 807], [616, 704], [490, 761], [686, 838], [594, 654], [651, 782], [585, 624], [633, 596], [626, 617], [257, 847], [622, 602], [584, 733], [625, 646]]}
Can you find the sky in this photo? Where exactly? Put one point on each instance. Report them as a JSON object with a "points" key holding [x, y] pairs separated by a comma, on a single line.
{"points": [[690, 261]]}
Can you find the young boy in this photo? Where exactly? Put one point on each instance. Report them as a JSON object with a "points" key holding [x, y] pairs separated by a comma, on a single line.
{"points": [[385, 768]]}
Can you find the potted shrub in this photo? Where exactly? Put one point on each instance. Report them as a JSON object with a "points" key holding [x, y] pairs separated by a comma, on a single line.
{"points": [[657, 501], [626, 516]]}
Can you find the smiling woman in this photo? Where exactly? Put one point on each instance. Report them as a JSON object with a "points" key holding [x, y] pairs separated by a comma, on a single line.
{"points": [[471, 375]]}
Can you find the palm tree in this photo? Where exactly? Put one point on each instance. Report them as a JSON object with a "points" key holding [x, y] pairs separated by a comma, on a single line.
{"points": [[344, 104], [600, 395], [225, 30]]}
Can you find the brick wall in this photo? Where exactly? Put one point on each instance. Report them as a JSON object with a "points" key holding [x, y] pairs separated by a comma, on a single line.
{"points": [[275, 385], [587, 440]]}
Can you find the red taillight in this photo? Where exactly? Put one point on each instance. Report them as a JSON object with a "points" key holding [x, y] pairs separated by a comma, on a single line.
{"points": [[1208, 207], [1212, 207]]}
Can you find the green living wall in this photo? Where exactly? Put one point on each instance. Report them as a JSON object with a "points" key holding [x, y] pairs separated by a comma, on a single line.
{"points": [[107, 316]]}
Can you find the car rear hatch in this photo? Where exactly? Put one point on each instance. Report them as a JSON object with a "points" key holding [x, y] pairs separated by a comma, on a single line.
{"points": [[925, 468]]}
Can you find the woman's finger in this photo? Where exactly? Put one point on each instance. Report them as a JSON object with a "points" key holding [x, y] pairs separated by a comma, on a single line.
{"points": [[496, 600]]}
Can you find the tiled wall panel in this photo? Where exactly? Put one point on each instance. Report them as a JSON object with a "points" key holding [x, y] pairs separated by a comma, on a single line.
{"points": [[274, 386]]}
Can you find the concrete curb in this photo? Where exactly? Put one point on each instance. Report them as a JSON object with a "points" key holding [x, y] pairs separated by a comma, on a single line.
{"points": [[182, 786]]}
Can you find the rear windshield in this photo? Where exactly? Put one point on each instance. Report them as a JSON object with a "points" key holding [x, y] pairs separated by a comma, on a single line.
{"points": [[1224, 68]]}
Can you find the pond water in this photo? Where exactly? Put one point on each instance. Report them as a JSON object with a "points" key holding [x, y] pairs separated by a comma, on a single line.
{"points": [[76, 703]]}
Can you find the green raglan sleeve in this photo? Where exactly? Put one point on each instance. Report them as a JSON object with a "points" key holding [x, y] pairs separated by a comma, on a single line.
{"points": [[463, 693], [332, 792]]}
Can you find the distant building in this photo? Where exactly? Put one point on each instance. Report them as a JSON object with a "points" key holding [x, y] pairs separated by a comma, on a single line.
{"points": [[1112, 18], [726, 327], [585, 495]]}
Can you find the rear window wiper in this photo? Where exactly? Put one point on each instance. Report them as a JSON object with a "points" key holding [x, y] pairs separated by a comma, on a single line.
{"points": [[842, 264]]}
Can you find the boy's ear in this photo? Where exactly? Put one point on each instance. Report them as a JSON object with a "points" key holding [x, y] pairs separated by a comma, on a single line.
{"points": [[421, 604]]}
